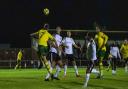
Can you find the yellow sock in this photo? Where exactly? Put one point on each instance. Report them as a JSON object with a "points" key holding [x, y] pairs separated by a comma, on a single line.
{"points": [[101, 67], [16, 66], [48, 67]]}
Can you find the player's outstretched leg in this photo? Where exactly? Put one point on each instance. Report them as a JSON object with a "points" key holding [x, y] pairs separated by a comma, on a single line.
{"points": [[113, 66], [76, 69], [126, 65], [57, 72], [88, 72], [100, 68], [109, 64], [48, 74], [16, 66], [65, 70], [47, 66]]}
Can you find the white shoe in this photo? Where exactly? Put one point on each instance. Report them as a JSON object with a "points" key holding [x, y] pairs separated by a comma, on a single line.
{"points": [[113, 72], [126, 71], [64, 75], [85, 85]]}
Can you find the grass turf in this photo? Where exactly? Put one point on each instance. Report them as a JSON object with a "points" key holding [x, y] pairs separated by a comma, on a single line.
{"points": [[34, 79]]}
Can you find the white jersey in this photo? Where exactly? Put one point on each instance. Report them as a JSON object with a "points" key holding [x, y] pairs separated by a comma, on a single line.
{"points": [[91, 51], [68, 42], [58, 39], [114, 51]]}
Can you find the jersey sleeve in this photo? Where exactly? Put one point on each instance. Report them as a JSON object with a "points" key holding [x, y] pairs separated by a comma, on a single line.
{"points": [[50, 36], [122, 46], [73, 42], [110, 50], [96, 36], [63, 41], [105, 38], [118, 53]]}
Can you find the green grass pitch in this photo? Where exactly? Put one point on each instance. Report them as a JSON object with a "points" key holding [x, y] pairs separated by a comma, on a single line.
{"points": [[34, 79]]}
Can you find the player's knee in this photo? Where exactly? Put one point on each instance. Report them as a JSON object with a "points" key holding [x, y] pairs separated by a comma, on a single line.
{"points": [[100, 63]]}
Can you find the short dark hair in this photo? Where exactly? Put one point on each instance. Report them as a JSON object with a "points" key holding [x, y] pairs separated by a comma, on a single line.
{"points": [[46, 26]]}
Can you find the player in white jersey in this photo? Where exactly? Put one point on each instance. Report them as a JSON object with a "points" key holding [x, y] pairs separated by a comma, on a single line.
{"points": [[113, 56], [54, 55], [91, 55], [68, 43]]}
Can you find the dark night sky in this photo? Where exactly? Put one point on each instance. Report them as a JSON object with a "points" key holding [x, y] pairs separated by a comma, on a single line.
{"points": [[20, 17]]}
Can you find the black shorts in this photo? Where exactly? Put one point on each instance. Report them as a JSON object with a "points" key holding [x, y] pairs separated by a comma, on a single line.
{"points": [[70, 57], [54, 56], [126, 60]]}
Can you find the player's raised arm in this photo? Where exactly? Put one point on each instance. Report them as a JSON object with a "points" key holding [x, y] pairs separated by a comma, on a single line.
{"points": [[33, 34], [75, 45]]}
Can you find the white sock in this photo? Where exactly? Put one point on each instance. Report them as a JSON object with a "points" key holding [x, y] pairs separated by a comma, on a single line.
{"points": [[47, 76], [113, 72], [87, 77], [126, 68], [65, 70], [76, 70], [57, 71], [95, 71]]}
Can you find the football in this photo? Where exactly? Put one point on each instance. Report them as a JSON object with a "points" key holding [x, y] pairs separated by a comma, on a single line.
{"points": [[46, 11]]}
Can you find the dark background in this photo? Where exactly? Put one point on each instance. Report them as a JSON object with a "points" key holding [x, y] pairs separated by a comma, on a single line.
{"points": [[19, 18]]}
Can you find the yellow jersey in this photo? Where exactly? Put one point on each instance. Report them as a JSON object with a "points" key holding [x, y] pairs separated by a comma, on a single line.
{"points": [[124, 50], [101, 39], [19, 56], [43, 37]]}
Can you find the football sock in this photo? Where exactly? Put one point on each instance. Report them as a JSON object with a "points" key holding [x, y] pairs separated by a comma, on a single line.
{"points": [[65, 70], [87, 77], [76, 70], [57, 71]]}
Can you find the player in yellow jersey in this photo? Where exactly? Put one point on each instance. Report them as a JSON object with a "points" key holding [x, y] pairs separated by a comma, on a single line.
{"points": [[101, 40], [124, 52], [19, 58], [43, 36]]}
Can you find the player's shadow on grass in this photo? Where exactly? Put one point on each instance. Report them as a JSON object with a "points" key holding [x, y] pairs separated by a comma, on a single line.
{"points": [[76, 83], [111, 79], [116, 80], [6, 80], [62, 87], [96, 86], [70, 84]]}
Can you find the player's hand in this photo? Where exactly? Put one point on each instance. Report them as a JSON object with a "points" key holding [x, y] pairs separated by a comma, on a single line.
{"points": [[80, 49], [32, 34]]}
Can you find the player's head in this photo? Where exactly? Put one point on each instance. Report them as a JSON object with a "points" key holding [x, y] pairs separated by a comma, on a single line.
{"points": [[98, 29], [68, 33], [90, 38], [46, 26], [87, 36], [58, 30], [114, 43], [125, 41], [21, 50]]}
